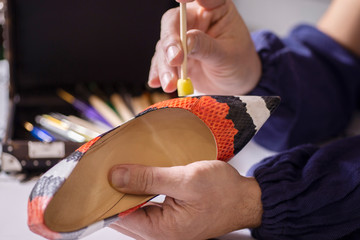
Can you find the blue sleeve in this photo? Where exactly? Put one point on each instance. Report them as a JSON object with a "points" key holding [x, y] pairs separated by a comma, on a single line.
{"points": [[318, 81], [311, 193]]}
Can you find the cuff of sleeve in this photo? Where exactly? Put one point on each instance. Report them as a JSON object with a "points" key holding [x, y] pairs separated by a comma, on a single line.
{"points": [[275, 175], [310, 192]]}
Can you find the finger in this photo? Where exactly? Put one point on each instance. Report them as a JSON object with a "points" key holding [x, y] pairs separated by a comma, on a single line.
{"points": [[170, 44], [167, 74], [203, 47], [211, 4], [170, 40], [118, 227], [138, 179], [141, 223], [161, 73], [154, 80], [172, 52], [168, 56]]}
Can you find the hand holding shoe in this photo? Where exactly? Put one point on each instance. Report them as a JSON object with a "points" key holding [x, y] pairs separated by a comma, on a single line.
{"points": [[204, 199]]}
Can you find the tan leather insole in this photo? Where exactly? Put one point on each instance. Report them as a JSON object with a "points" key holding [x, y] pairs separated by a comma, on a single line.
{"points": [[165, 137]]}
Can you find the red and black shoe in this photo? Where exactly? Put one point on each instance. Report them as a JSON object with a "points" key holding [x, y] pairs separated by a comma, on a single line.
{"points": [[74, 198]]}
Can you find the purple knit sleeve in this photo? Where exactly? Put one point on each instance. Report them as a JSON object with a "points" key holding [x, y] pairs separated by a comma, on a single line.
{"points": [[311, 193], [318, 81]]}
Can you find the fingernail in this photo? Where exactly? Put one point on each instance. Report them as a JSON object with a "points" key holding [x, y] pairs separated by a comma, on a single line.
{"points": [[120, 177], [166, 78], [190, 44], [172, 52], [152, 76]]}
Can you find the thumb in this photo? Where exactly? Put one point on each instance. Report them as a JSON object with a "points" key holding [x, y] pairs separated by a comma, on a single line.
{"points": [[203, 47], [139, 179]]}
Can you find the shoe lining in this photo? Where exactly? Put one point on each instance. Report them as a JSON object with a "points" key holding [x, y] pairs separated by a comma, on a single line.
{"points": [[164, 138]]}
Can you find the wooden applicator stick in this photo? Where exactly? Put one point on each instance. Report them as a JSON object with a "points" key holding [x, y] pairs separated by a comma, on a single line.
{"points": [[183, 30], [184, 84]]}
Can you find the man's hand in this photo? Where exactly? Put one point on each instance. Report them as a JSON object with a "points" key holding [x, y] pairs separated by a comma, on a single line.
{"points": [[221, 56], [204, 199]]}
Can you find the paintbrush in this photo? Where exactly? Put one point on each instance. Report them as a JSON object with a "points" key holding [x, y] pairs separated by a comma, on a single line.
{"points": [[184, 85]]}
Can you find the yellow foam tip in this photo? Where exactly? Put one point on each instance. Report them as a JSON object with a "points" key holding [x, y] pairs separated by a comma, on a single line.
{"points": [[184, 87]]}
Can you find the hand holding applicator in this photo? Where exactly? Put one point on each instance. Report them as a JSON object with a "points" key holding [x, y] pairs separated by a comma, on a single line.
{"points": [[184, 85]]}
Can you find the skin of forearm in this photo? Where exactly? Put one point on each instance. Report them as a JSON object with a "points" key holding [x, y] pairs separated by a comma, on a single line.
{"points": [[342, 22]]}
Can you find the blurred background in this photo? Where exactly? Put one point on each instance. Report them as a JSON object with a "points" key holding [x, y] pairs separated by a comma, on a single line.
{"points": [[278, 16]]}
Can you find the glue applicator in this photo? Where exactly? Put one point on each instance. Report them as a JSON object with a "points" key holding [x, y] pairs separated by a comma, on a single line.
{"points": [[184, 85]]}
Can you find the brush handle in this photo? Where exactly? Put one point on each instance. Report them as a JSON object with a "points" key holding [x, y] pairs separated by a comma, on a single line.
{"points": [[89, 112], [183, 30], [105, 111]]}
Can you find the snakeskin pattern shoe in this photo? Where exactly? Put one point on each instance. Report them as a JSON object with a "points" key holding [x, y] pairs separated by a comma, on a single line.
{"points": [[74, 198]]}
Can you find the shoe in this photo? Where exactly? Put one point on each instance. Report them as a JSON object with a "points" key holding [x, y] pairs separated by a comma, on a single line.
{"points": [[74, 198]]}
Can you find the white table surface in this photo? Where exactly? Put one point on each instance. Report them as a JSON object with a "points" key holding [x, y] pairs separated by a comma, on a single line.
{"points": [[14, 196]]}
